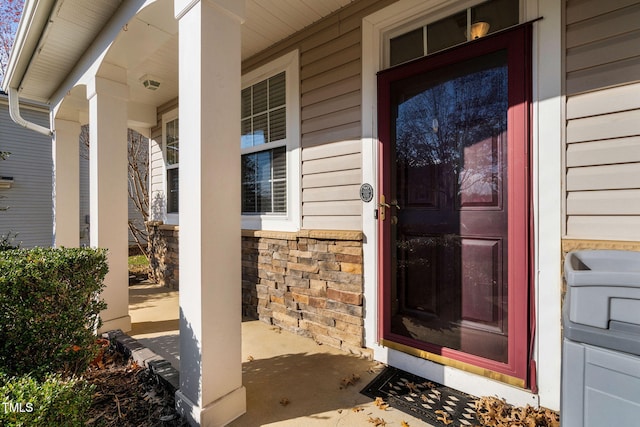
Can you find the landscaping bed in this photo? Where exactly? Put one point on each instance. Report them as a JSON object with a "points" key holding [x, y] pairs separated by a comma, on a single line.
{"points": [[128, 395]]}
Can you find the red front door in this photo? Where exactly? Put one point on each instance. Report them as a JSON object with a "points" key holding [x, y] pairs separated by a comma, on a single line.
{"points": [[454, 162]]}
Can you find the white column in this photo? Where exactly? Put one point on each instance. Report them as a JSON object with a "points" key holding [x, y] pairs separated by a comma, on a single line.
{"points": [[108, 193], [211, 391], [66, 184]]}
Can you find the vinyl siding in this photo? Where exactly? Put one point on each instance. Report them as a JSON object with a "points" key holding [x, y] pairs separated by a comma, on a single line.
{"points": [[30, 212], [331, 178], [603, 119], [330, 98], [157, 209]]}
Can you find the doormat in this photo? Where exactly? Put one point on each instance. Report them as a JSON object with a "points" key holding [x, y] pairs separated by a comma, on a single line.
{"points": [[433, 403]]}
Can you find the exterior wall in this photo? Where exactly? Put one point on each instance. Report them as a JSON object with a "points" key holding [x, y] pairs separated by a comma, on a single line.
{"points": [[330, 91], [603, 112], [29, 198], [309, 283], [157, 203]]}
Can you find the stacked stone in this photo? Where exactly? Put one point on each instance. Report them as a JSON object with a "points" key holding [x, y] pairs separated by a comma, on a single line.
{"points": [[163, 253], [310, 286]]}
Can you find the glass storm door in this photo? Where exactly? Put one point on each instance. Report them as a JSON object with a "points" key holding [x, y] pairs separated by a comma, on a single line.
{"points": [[454, 133]]}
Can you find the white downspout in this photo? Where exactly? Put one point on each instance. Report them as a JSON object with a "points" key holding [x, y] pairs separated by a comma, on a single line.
{"points": [[14, 112]]}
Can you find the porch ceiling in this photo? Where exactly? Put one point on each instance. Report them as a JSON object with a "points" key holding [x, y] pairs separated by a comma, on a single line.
{"points": [[61, 34]]}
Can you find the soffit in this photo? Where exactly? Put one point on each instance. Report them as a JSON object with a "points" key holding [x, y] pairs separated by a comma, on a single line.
{"points": [[148, 43]]}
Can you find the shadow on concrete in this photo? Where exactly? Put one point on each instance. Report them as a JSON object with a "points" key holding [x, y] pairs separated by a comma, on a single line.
{"points": [[140, 328], [310, 383], [148, 295]]}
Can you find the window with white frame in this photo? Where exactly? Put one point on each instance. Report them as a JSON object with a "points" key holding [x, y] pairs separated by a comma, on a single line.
{"points": [[269, 146], [172, 162], [263, 144]]}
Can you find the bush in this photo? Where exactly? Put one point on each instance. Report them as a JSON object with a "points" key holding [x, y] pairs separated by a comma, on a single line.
{"points": [[53, 402], [49, 309]]}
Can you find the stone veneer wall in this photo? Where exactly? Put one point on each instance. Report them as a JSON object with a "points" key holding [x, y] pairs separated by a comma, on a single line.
{"points": [[309, 283], [163, 253]]}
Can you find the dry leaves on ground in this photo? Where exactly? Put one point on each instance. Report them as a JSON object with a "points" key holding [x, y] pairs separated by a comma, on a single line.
{"points": [[492, 411], [378, 422], [127, 395], [444, 417], [350, 380], [381, 404]]}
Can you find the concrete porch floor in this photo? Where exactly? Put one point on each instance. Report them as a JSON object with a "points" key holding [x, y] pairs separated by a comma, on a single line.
{"points": [[290, 380]]}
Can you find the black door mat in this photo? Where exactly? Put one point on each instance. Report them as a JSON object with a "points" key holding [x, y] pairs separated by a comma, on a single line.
{"points": [[433, 403]]}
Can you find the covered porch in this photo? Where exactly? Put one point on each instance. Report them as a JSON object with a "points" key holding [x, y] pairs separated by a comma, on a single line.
{"points": [[290, 380], [113, 66]]}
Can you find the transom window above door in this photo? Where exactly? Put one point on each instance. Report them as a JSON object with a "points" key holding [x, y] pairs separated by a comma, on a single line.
{"points": [[421, 38]]}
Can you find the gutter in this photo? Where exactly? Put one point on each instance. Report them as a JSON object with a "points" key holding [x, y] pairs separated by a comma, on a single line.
{"points": [[14, 112], [35, 17]]}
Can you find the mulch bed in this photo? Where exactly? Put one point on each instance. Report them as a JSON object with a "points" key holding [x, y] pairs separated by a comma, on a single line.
{"points": [[128, 395]]}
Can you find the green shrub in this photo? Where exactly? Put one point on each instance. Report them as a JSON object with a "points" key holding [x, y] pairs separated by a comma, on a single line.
{"points": [[49, 309], [25, 401]]}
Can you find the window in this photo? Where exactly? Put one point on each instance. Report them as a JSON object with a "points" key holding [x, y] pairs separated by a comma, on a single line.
{"points": [[264, 133], [472, 23], [269, 146], [172, 159]]}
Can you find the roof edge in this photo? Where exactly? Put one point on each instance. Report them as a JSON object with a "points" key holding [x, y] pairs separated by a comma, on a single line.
{"points": [[34, 19]]}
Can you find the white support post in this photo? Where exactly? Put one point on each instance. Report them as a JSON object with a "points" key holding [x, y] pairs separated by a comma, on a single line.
{"points": [[66, 184], [108, 193], [211, 391]]}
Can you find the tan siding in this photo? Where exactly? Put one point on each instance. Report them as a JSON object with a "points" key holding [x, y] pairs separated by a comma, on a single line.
{"points": [[333, 222], [604, 102], [611, 227], [602, 48], [351, 207], [342, 192], [331, 177], [618, 202], [605, 152], [612, 49], [608, 177], [615, 125], [328, 151], [603, 113], [579, 10], [603, 26]]}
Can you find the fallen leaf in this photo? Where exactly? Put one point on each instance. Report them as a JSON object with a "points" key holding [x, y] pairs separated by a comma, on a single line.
{"points": [[404, 424], [377, 421], [357, 409], [443, 417], [250, 358], [350, 380], [411, 386], [380, 403]]}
